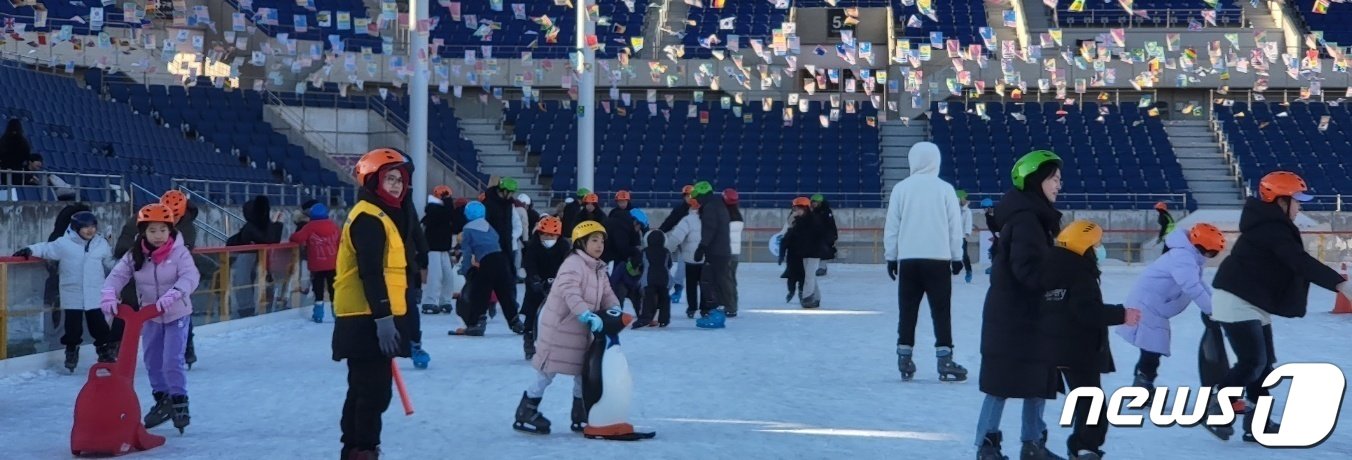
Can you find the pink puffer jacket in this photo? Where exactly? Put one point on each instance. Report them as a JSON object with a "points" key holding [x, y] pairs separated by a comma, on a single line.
{"points": [[581, 285], [174, 270]]}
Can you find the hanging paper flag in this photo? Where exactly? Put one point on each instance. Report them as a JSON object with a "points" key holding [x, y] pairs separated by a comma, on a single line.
{"points": [[1209, 16], [1050, 3], [495, 5], [1076, 6], [1321, 7]]}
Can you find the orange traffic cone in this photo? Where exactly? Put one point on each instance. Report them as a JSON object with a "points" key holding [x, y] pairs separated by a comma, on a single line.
{"points": [[1342, 304]]}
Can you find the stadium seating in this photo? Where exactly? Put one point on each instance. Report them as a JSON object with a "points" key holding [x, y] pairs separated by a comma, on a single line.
{"points": [[59, 14], [1162, 13], [651, 152], [353, 38], [751, 20], [443, 131], [960, 19], [1332, 23], [1128, 152], [1266, 136], [77, 131]]}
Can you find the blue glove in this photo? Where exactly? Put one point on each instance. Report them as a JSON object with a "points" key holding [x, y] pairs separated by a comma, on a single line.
{"points": [[592, 321]]}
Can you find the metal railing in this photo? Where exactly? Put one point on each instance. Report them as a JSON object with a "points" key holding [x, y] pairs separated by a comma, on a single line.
{"points": [[149, 196], [277, 193], [880, 200], [97, 188], [1172, 17], [236, 282], [399, 121]]}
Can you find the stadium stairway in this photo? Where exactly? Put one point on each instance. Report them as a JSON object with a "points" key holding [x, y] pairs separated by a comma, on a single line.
{"points": [[897, 139], [498, 158], [1212, 181]]}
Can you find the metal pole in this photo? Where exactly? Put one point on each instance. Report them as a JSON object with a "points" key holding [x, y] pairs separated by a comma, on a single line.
{"points": [[586, 101], [417, 108]]}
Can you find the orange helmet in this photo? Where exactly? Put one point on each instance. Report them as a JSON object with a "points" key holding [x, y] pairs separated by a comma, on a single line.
{"points": [[176, 201], [372, 161], [687, 190], [1161, 206], [441, 191], [1207, 236], [1279, 184], [622, 195], [550, 225], [802, 201], [591, 198], [155, 212]]}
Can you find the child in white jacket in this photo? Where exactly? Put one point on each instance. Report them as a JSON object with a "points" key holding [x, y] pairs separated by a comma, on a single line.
{"points": [[84, 259], [683, 241]]}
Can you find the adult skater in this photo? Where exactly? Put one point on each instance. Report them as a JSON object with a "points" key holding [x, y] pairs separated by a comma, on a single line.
{"points": [[966, 233], [673, 218], [735, 228], [1010, 365], [923, 246], [371, 301], [442, 282], [623, 243], [542, 259], [802, 246], [1268, 273], [525, 219], [1165, 221], [683, 239], [715, 250], [654, 280], [821, 210]]}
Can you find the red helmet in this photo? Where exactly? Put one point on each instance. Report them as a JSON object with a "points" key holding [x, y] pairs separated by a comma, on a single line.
{"points": [[730, 196], [550, 225], [1279, 184], [1161, 206], [622, 195], [591, 198], [1207, 236], [802, 201], [442, 192]]}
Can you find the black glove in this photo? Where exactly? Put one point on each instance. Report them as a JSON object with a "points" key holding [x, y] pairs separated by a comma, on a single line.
{"points": [[699, 254], [892, 269], [957, 266], [25, 253], [781, 258], [387, 336]]}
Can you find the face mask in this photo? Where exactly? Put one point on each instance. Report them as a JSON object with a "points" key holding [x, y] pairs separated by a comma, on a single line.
{"points": [[1101, 252], [549, 243]]}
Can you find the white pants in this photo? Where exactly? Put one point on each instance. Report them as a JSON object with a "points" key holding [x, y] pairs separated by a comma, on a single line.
{"points": [[809, 292], [442, 281], [543, 379]]}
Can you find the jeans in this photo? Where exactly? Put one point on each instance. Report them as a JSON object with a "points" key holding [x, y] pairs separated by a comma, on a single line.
{"points": [[994, 407]]}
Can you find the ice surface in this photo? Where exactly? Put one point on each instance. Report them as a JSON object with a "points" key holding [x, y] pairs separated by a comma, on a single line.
{"points": [[778, 383]]}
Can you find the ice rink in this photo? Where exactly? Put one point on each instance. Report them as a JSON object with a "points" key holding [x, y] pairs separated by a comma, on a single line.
{"points": [[779, 383]]}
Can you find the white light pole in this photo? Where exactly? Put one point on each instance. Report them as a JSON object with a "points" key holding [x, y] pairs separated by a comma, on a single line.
{"points": [[417, 94], [586, 100]]}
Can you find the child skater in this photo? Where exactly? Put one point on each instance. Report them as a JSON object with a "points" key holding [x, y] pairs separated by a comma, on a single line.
{"points": [[493, 274], [1164, 290], [566, 326], [320, 237], [1074, 326], [165, 278], [84, 258], [541, 258], [654, 280]]}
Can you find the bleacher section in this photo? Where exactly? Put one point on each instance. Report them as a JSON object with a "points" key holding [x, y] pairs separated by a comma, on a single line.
{"points": [[643, 152], [1128, 152], [1333, 23], [1262, 139], [960, 19], [750, 20], [443, 131], [60, 13], [353, 38], [1162, 13], [73, 129]]}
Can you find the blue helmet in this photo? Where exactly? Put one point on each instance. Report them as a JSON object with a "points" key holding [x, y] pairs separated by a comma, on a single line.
{"points": [[319, 211], [475, 210], [639, 216], [83, 219], [986, 203]]}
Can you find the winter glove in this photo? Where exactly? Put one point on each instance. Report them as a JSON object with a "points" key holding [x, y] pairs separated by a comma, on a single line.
{"points": [[957, 266], [892, 269], [1132, 317], [631, 269], [387, 336], [25, 253], [592, 321], [109, 306], [699, 254], [169, 299]]}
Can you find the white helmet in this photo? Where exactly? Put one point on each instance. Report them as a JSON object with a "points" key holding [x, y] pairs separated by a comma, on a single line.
{"points": [[523, 198]]}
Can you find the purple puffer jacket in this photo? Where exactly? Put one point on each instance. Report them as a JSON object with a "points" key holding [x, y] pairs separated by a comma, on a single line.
{"points": [[175, 271], [1164, 290]]}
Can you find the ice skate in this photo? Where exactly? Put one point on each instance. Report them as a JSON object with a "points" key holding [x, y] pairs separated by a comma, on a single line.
{"points": [[420, 357], [72, 357], [190, 354], [949, 371], [429, 309], [990, 448], [789, 297], [690, 313], [516, 326], [579, 416], [715, 320], [1086, 454], [107, 353], [1145, 381], [821, 272], [317, 312], [1037, 450], [904, 363], [676, 296], [179, 410], [161, 412], [445, 308], [472, 331], [1224, 432], [1272, 427], [528, 345], [528, 417], [968, 278]]}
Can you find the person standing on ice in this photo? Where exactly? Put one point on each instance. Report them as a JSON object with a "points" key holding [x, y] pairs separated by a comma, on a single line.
{"points": [[923, 246], [715, 251], [567, 322], [1268, 273], [992, 225], [654, 280], [492, 275], [166, 278], [678, 212], [1010, 365], [735, 229], [802, 246], [966, 233], [320, 238], [1166, 222], [83, 257], [371, 300], [1074, 327], [1164, 289], [682, 240], [821, 209], [542, 258], [441, 278]]}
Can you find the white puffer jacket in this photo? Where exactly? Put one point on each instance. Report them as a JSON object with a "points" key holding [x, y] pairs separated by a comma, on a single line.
{"points": [[685, 237], [84, 264], [735, 236]]}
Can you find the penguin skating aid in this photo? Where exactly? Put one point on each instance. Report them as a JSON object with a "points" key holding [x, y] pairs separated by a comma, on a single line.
{"points": [[607, 386]]}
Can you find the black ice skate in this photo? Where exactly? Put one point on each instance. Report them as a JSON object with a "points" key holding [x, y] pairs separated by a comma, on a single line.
{"points": [[190, 354], [1145, 381], [1272, 427], [429, 309], [1224, 432], [990, 448], [161, 412], [446, 308], [690, 313], [72, 357], [107, 353], [180, 411], [1037, 450], [528, 417], [579, 415], [516, 326], [905, 365], [528, 345], [949, 371]]}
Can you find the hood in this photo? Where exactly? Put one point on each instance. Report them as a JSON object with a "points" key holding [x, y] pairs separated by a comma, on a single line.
{"points": [[63, 219], [190, 215], [75, 236], [924, 158], [1178, 240], [257, 211], [1016, 202], [1256, 213]]}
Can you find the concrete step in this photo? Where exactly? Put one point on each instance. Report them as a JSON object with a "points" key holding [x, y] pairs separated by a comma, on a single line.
{"points": [[500, 161], [1211, 187], [1201, 163], [1218, 198], [1194, 142], [1210, 152]]}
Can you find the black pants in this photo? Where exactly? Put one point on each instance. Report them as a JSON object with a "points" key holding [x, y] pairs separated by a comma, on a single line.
{"points": [[657, 303], [368, 395], [1149, 364], [321, 281], [727, 286], [74, 323], [530, 306], [925, 278], [495, 275], [966, 259], [795, 285], [1084, 435], [1255, 356], [711, 281], [693, 272], [624, 291]]}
